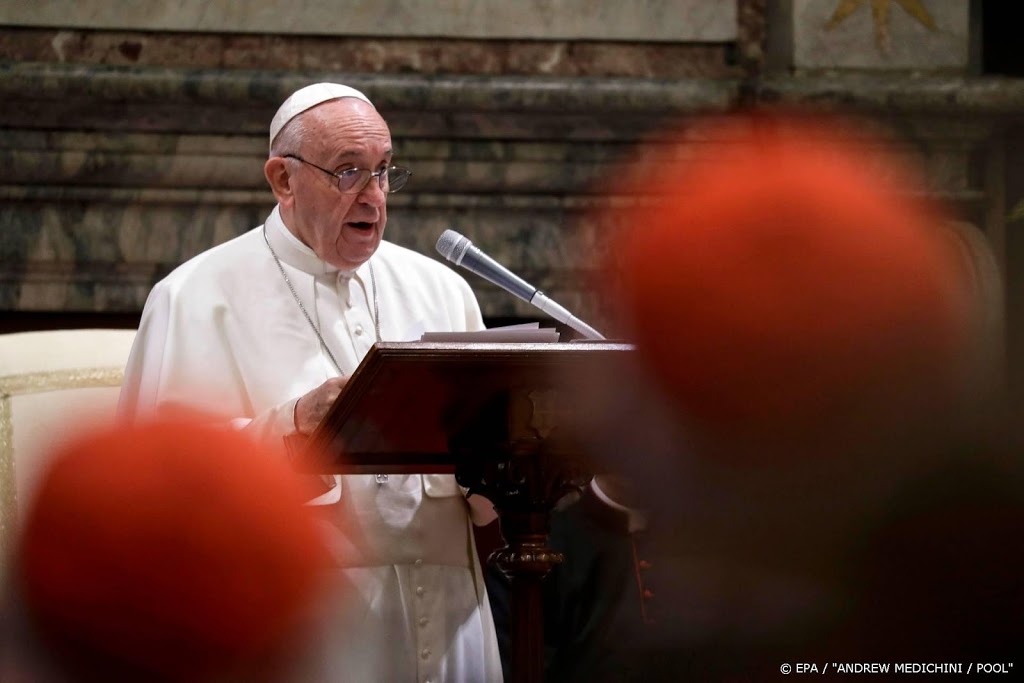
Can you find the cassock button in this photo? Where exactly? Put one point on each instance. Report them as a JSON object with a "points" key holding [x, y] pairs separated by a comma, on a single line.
{"points": [[424, 621], [359, 330], [418, 562], [420, 591], [644, 564], [425, 653], [648, 594]]}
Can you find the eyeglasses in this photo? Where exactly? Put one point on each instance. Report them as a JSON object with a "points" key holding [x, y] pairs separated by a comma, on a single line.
{"points": [[354, 180]]}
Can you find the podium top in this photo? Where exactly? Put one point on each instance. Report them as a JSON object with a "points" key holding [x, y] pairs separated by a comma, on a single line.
{"points": [[406, 399]]}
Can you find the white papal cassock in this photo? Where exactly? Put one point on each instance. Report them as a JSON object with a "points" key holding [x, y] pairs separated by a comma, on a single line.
{"points": [[223, 333]]}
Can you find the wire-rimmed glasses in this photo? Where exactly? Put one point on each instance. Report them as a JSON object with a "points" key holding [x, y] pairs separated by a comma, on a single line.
{"points": [[354, 180]]}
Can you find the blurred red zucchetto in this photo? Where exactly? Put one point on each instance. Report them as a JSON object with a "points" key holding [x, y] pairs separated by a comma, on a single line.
{"points": [[788, 285], [168, 551]]}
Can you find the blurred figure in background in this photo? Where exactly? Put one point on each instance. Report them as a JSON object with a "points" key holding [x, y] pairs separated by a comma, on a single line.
{"points": [[804, 413], [167, 551]]}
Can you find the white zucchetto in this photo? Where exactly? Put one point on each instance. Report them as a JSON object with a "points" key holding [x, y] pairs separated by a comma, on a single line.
{"points": [[307, 98]]}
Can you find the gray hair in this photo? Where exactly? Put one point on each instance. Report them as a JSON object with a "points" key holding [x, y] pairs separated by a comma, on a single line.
{"points": [[291, 137]]}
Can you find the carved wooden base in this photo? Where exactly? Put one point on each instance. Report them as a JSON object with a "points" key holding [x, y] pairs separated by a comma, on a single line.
{"points": [[521, 465]]}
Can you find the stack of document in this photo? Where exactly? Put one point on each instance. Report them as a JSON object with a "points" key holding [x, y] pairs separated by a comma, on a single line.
{"points": [[526, 333]]}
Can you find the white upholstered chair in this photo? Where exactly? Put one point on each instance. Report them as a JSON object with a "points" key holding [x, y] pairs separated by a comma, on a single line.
{"points": [[53, 384]]}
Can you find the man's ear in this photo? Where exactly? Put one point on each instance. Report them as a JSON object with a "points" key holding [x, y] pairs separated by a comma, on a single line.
{"points": [[276, 172]]}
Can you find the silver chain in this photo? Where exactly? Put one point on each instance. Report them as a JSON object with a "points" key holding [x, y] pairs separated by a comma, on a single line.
{"points": [[316, 330]]}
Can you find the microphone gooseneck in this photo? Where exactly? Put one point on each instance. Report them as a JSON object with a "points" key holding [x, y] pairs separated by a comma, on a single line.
{"points": [[460, 251]]}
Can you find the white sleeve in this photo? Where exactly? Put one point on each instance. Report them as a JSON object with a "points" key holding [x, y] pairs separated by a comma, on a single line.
{"points": [[277, 421], [141, 385], [173, 355], [473, 319]]}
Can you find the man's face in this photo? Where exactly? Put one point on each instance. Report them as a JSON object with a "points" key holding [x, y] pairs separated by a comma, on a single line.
{"points": [[342, 229]]}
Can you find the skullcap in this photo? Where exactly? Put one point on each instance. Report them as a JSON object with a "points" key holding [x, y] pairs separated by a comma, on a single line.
{"points": [[171, 551], [782, 284], [307, 98]]}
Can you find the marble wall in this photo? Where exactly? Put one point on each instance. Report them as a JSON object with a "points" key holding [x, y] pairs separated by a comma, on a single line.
{"points": [[125, 149], [379, 55], [110, 177], [637, 20]]}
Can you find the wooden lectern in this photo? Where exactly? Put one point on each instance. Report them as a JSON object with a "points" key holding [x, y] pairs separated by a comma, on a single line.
{"points": [[498, 416]]}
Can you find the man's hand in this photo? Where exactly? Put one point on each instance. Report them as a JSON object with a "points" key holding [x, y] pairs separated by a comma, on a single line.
{"points": [[312, 407]]}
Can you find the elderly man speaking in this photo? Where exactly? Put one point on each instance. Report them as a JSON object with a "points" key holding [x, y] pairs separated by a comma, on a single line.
{"points": [[264, 330]]}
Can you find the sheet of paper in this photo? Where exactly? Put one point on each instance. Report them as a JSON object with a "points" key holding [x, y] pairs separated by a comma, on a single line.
{"points": [[525, 333]]}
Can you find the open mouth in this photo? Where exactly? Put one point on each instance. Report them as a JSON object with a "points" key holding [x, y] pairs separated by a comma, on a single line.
{"points": [[361, 225]]}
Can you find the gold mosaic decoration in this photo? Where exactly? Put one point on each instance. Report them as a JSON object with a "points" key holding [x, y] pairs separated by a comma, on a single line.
{"points": [[880, 15]]}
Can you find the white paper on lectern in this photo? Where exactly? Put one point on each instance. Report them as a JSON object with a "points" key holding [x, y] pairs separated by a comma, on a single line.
{"points": [[524, 333]]}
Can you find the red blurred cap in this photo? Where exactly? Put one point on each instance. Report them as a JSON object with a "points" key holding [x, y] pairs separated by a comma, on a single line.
{"points": [[787, 286], [171, 549]]}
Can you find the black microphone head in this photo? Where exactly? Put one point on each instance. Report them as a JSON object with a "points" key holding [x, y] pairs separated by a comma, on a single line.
{"points": [[452, 245]]}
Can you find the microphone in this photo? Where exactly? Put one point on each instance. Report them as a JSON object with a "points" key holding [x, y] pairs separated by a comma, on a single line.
{"points": [[460, 251]]}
